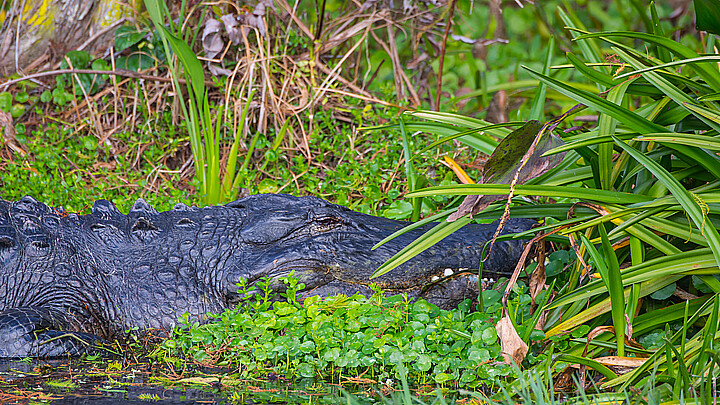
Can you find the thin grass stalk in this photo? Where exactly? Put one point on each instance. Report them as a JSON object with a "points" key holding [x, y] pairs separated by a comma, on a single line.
{"points": [[537, 109], [410, 172]]}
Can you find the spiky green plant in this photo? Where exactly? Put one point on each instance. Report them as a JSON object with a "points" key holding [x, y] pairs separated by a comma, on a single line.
{"points": [[647, 176]]}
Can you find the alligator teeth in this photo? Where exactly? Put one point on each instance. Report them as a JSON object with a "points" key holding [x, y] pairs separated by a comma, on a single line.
{"points": [[448, 272]]}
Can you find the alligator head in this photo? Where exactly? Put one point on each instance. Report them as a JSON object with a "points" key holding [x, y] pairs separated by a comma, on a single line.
{"points": [[104, 272]]}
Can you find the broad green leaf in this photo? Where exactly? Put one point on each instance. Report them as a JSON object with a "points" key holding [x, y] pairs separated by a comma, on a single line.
{"points": [[127, 36], [520, 150]]}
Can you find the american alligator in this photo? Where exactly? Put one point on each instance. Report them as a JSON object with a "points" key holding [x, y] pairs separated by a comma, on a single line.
{"points": [[68, 278]]}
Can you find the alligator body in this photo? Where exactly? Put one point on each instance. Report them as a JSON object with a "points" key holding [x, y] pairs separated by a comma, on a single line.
{"points": [[66, 279]]}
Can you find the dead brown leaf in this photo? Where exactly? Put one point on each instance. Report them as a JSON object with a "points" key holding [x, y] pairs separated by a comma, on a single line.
{"points": [[538, 276], [497, 109], [8, 133], [512, 347], [212, 39], [231, 27]]}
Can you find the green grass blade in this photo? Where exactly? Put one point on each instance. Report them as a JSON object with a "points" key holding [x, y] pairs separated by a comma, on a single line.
{"points": [[707, 15], [581, 143], [674, 266], [536, 316], [662, 53], [605, 196], [410, 172], [590, 49], [681, 62], [633, 121], [615, 287], [414, 225], [694, 140], [704, 112], [231, 167], [590, 73], [708, 337]]}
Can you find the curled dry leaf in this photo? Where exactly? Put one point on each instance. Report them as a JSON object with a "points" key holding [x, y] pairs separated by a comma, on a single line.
{"points": [[610, 329], [7, 129], [538, 276], [213, 45], [231, 27], [497, 109], [212, 39], [512, 346], [618, 365]]}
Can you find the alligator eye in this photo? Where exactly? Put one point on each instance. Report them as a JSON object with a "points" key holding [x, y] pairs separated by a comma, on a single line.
{"points": [[97, 227], [143, 224], [327, 223]]}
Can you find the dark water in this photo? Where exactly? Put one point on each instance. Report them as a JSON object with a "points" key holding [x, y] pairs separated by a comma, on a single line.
{"points": [[71, 382]]}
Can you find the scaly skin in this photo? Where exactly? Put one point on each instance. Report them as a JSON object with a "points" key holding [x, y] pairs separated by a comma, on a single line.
{"points": [[100, 274]]}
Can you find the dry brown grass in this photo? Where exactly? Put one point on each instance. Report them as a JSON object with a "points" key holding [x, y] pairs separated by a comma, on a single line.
{"points": [[291, 81]]}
